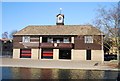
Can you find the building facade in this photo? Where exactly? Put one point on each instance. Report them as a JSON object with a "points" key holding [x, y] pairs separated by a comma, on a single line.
{"points": [[6, 46], [59, 42]]}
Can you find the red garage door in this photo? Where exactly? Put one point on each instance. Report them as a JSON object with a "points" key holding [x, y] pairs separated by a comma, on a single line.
{"points": [[47, 54], [25, 53]]}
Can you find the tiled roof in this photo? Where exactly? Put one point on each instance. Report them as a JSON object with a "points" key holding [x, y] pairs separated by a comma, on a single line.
{"points": [[59, 30], [5, 39]]}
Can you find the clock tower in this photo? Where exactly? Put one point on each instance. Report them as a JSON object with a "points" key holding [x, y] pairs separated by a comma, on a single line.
{"points": [[60, 18]]}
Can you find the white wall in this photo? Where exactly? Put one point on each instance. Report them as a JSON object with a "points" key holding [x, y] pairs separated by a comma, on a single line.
{"points": [[78, 54], [97, 55], [72, 39], [34, 53], [55, 54], [16, 53]]}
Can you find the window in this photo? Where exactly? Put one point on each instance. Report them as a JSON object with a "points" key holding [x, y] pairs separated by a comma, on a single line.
{"points": [[88, 39], [50, 40], [26, 38], [66, 40], [44, 39], [57, 40]]}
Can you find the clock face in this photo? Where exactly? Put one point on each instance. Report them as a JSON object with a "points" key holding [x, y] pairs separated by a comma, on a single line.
{"points": [[60, 19]]}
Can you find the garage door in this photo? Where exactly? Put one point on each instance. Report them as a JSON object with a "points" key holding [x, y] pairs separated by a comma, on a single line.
{"points": [[47, 54], [25, 53]]}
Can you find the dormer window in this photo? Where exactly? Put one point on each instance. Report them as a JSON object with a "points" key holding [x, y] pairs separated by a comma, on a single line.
{"points": [[26, 39]]}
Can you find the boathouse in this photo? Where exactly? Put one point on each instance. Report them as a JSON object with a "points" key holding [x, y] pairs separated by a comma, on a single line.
{"points": [[59, 42]]}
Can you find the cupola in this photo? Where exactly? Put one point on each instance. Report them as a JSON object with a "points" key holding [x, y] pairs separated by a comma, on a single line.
{"points": [[60, 18]]}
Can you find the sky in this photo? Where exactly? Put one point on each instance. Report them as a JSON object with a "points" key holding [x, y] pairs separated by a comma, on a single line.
{"points": [[17, 15]]}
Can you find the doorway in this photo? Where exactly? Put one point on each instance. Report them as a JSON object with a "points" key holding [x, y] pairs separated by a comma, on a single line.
{"points": [[88, 54], [64, 54]]}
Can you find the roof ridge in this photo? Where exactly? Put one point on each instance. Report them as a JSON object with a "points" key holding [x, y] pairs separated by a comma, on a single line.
{"points": [[61, 25]]}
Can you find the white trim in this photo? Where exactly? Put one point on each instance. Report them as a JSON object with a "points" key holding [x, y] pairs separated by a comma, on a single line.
{"points": [[39, 53], [55, 54], [72, 39], [40, 39]]}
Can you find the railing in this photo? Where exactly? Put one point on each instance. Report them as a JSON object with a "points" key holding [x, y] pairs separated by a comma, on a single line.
{"points": [[48, 45], [31, 44], [56, 45], [65, 45]]}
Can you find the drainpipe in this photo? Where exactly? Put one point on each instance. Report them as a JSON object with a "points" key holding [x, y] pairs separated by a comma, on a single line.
{"points": [[39, 49], [102, 48]]}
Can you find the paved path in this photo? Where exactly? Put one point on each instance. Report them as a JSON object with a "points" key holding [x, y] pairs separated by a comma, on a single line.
{"points": [[61, 64]]}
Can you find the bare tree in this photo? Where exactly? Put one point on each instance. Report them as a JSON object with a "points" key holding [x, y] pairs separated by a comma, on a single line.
{"points": [[107, 22], [5, 35], [11, 34]]}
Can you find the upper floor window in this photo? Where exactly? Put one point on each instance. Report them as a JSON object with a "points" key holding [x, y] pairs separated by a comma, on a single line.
{"points": [[26, 39], [57, 40], [66, 40], [50, 40], [88, 39]]}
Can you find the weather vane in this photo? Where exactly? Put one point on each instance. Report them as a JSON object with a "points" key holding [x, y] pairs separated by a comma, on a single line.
{"points": [[60, 10]]}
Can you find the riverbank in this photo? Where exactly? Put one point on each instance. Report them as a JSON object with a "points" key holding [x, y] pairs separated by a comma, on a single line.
{"points": [[61, 64]]}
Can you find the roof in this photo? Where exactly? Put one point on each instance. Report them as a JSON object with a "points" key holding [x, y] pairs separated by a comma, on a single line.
{"points": [[5, 39], [59, 30], [60, 14]]}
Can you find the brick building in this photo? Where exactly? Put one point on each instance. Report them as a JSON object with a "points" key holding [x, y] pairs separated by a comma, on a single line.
{"points": [[56, 42]]}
